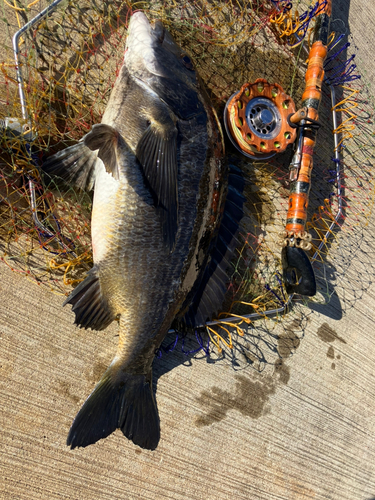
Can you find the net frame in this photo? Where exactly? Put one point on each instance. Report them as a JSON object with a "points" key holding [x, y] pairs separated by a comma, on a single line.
{"points": [[327, 216]]}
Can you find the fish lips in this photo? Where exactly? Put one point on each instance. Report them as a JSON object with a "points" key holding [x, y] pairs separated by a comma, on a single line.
{"points": [[142, 35]]}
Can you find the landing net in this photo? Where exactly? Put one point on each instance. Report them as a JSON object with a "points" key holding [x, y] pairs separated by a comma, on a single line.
{"points": [[69, 62]]}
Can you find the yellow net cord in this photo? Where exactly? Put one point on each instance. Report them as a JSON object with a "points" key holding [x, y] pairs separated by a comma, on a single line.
{"points": [[70, 61]]}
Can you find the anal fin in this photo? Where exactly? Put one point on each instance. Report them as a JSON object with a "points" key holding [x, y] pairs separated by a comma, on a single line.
{"points": [[90, 307]]}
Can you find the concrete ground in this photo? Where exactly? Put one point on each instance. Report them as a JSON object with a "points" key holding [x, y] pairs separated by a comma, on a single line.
{"points": [[304, 429]]}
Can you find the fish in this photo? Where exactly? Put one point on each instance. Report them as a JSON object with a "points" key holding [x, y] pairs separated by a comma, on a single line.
{"points": [[156, 164]]}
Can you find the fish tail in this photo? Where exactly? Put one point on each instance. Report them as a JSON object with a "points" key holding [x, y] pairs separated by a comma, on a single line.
{"points": [[119, 401]]}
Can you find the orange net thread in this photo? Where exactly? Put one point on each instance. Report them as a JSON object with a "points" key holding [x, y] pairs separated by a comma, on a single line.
{"points": [[70, 61]]}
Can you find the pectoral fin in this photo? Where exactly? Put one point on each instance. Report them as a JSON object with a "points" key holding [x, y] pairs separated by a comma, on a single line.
{"points": [[157, 153], [75, 165], [105, 139]]}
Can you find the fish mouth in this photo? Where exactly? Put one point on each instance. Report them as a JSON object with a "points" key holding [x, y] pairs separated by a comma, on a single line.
{"points": [[158, 31], [144, 36], [138, 32], [150, 49], [154, 60], [143, 31]]}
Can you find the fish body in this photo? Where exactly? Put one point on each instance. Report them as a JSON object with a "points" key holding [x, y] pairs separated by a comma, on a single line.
{"points": [[155, 162]]}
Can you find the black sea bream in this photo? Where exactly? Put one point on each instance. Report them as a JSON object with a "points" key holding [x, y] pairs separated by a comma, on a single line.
{"points": [[159, 186]]}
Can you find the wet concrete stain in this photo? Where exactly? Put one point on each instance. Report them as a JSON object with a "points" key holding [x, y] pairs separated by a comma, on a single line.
{"points": [[289, 341], [64, 389], [328, 334], [283, 371], [249, 396], [331, 352]]}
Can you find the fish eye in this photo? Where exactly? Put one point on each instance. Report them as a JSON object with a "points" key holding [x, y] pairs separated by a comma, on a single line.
{"points": [[187, 62]]}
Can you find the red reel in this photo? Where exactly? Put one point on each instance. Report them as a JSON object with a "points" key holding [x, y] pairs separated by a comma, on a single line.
{"points": [[256, 119]]}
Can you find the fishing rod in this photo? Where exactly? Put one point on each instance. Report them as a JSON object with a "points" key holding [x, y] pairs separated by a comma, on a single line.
{"points": [[261, 120], [298, 274]]}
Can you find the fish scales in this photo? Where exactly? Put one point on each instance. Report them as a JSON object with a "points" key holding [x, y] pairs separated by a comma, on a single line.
{"points": [[149, 264], [159, 189]]}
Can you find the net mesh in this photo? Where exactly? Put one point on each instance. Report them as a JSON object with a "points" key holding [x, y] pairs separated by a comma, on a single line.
{"points": [[69, 62]]}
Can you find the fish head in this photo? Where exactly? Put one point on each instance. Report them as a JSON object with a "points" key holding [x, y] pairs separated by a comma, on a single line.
{"points": [[158, 64]]}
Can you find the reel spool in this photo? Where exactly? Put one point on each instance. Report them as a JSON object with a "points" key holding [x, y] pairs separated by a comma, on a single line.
{"points": [[255, 119]]}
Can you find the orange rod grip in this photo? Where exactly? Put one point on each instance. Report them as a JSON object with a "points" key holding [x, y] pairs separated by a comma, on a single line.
{"points": [[298, 202], [315, 72], [298, 207], [327, 7]]}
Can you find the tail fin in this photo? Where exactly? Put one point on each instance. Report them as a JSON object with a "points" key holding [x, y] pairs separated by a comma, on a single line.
{"points": [[119, 401]]}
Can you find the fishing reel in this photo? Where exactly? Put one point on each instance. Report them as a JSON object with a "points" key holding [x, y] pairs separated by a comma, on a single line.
{"points": [[256, 119], [261, 120]]}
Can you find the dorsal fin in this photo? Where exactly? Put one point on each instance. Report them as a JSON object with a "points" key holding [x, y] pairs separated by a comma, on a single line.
{"points": [[210, 295]]}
